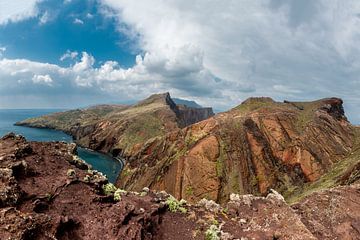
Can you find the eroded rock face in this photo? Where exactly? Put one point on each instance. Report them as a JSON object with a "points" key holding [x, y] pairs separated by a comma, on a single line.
{"points": [[260, 144], [60, 198]]}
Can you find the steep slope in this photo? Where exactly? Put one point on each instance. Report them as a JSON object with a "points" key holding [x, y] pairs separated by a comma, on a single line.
{"points": [[119, 129], [47, 192], [260, 144]]}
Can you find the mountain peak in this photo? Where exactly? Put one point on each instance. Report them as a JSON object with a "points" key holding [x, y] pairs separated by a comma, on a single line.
{"points": [[163, 98]]}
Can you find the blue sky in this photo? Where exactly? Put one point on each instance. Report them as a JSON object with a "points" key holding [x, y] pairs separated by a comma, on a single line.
{"points": [[71, 53], [76, 26]]}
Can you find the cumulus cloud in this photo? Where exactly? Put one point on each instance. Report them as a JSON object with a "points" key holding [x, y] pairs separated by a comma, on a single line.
{"points": [[69, 55], [42, 79], [219, 53], [17, 10], [287, 49]]}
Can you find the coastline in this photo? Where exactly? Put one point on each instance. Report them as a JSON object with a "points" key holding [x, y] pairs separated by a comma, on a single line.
{"points": [[119, 161]]}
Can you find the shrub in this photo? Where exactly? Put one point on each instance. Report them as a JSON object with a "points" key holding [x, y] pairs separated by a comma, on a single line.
{"points": [[109, 189], [212, 233], [175, 206], [117, 195]]}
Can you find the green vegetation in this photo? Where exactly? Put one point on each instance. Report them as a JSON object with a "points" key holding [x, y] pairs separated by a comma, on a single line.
{"points": [[212, 233], [141, 129], [176, 206], [189, 191], [306, 113], [254, 181], [234, 181], [253, 104], [126, 172], [109, 189], [191, 138], [328, 180], [117, 194]]}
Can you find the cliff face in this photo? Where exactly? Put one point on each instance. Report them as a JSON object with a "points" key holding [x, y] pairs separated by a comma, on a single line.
{"points": [[188, 116], [47, 192], [260, 144], [119, 129]]}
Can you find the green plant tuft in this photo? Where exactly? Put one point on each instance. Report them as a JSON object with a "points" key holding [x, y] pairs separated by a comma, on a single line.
{"points": [[212, 233], [109, 189], [117, 194], [175, 205]]}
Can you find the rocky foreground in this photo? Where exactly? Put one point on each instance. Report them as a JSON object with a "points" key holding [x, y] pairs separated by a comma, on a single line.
{"points": [[47, 192]]}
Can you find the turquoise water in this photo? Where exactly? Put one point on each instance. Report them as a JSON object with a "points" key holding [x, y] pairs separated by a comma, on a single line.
{"points": [[101, 162]]}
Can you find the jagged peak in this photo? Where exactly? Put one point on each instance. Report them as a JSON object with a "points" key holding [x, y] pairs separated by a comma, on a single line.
{"points": [[163, 98], [332, 105]]}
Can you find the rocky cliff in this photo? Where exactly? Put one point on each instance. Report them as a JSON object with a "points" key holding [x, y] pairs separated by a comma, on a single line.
{"points": [[122, 130], [47, 192], [258, 145]]}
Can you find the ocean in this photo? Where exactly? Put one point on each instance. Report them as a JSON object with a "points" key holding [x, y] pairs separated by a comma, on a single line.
{"points": [[101, 162]]}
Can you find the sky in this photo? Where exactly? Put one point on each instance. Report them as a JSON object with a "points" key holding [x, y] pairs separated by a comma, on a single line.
{"points": [[72, 53]]}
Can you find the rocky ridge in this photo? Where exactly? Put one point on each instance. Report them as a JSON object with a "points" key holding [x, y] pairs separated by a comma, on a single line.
{"points": [[47, 192], [258, 145]]}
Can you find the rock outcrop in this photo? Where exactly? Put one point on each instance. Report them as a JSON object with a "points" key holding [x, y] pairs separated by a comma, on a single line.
{"points": [[119, 129], [47, 192], [258, 145]]}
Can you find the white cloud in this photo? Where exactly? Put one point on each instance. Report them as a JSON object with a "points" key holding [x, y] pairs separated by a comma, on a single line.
{"points": [[78, 21], [45, 17], [219, 53], [17, 10], [86, 63], [69, 55], [42, 79], [89, 15], [284, 49]]}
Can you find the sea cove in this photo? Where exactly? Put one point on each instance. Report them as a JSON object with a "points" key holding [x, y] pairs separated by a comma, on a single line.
{"points": [[101, 162]]}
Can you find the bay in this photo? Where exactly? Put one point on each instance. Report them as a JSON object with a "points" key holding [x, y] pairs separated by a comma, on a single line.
{"points": [[101, 162]]}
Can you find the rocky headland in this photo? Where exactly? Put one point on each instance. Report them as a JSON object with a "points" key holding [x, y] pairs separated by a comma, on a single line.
{"points": [[293, 147], [121, 130]]}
